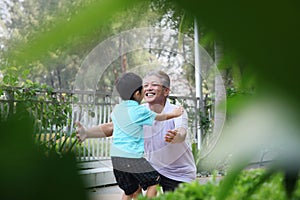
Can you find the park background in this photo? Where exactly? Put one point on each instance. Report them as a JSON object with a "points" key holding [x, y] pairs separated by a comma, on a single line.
{"points": [[254, 45]]}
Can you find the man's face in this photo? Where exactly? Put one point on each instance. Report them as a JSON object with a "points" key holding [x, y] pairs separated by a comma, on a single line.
{"points": [[155, 92]]}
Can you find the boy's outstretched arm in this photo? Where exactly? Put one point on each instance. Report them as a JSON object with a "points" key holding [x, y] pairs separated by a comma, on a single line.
{"points": [[100, 131], [165, 116]]}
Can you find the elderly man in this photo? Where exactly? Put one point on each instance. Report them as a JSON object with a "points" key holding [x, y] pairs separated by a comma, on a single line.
{"points": [[165, 145]]}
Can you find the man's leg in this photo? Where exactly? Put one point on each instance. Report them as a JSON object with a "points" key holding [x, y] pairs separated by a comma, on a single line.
{"points": [[168, 184]]}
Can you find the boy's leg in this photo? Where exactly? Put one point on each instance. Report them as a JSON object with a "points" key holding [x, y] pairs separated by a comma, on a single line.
{"points": [[147, 176], [133, 196], [151, 191], [137, 192], [127, 197]]}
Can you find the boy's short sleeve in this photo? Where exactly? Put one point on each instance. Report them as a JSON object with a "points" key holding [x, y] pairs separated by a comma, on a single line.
{"points": [[144, 116]]}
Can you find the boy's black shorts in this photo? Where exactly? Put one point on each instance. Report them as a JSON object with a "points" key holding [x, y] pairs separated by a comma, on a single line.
{"points": [[130, 173]]}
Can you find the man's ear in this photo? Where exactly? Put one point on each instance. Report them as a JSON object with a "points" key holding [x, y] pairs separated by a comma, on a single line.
{"points": [[166, 91]]}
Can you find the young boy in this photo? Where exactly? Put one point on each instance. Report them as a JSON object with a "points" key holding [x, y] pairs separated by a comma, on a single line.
{"points": [[131, 169]]}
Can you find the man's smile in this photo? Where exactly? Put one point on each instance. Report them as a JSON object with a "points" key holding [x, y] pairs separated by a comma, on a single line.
{"points": [[149, 94]]}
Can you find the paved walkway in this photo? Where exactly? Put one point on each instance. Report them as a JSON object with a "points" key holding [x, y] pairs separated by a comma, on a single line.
{"points": [[106, 193]]}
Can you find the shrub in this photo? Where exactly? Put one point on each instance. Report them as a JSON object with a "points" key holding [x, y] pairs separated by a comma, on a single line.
{"points": [[249, 184]]}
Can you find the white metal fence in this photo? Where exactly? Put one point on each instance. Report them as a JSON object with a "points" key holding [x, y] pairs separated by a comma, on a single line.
{"points": [[90, 108]]}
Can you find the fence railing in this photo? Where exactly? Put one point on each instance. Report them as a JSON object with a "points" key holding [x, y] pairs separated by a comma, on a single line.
{"points": [[92, 109], [55, 114]]}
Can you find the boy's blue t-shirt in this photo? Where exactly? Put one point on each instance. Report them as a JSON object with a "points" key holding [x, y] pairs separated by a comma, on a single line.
{"points": [[128, 118]]}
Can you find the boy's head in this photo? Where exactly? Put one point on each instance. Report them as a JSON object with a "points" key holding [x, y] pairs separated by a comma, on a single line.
{"points": [[127, 84]]}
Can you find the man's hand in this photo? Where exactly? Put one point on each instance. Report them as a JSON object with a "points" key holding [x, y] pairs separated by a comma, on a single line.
{"points": [[170, 135], [80, 132], [176, 135]]}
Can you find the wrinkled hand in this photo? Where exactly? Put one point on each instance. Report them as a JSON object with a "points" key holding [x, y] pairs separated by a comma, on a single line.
{"points": [[80, 132], [170, 135]]}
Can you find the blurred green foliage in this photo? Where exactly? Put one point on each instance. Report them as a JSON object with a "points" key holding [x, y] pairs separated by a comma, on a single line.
{"points": [[80, 25], [45, 105], [245, 186], [25, 171], [51, 111], [262, 36]]}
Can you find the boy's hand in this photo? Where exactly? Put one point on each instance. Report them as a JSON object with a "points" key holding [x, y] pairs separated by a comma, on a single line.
{"points": [[178, 111], [80, 132]]}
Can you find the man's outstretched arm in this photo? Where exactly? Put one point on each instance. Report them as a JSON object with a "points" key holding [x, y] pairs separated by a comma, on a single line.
{"points": [[178, 134], [100, 131]]}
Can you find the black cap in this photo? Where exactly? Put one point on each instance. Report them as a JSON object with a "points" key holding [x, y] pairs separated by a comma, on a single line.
{"points": [[127, 84]]}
